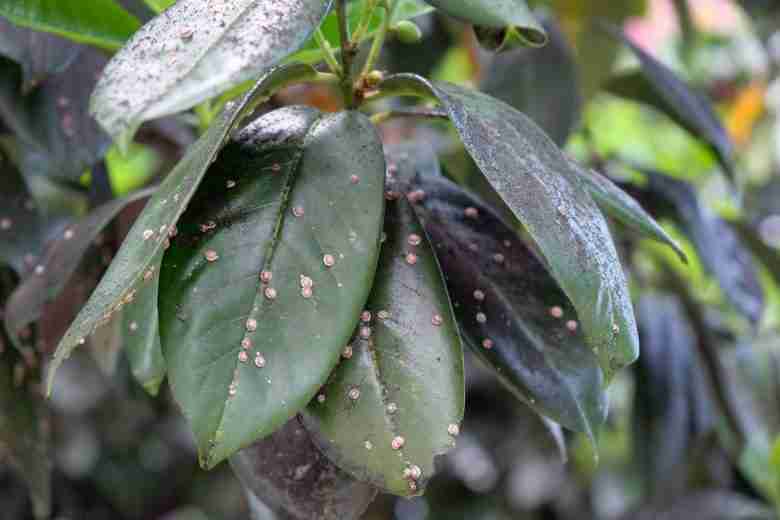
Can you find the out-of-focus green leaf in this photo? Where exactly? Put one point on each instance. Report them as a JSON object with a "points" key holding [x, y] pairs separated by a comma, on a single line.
{"points": [[497, 20], [159, 5], [546, 193], [656, 85], [194, 51], [716, 504], [296, 481], [39, 54], [132, 170], [511, 311], [61, 258], [297, 194], [396, 400], [541, 83], [20, 224], [139, 257], [104, 23]]}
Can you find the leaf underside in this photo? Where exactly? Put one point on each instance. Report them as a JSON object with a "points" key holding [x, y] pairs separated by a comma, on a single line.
{"points": [[280, 198]]}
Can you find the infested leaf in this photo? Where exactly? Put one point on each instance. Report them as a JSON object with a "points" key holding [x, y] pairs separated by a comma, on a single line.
{"points": [[105, 24], [622, 207], [297, 194], [511, 311], [196, 50], [295, 480], [396, 400], [497, 19], [545, 191], [139, 257], [60, 260], [656, 85]]}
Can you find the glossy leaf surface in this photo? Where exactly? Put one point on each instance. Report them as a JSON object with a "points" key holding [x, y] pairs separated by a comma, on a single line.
{"points": [[545, 191], [195, 50], [296, 481], [105, 24], [141, 253], [511, 311], [396, 398], [243, 355]]}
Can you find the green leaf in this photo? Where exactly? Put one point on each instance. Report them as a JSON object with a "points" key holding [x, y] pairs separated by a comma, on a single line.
{"points": [[545, 191], [194, 51], [296, 481], [141, 334], [622, 207], [244, 356], [656, 85], [61, 258], [159, 5], [405, 10], [39, 54], [539, 83], [396, 401], [712, 504], [507, 309], [139, 258], [105, 24], [499, 17], [21, 227]]}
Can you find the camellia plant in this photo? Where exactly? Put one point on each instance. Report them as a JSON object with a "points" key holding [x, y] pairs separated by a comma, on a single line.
{"points": [[306, 290]]}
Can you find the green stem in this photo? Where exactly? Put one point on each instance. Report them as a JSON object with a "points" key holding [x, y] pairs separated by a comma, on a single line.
{"points": [[327, 52], [347, 55], [365, 21], [379, 38]]}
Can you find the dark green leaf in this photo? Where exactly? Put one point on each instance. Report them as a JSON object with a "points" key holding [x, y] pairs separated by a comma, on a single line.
{"points": [[244, 356], [622, 207], [396, 401], [671, 405], [658, 86], [721, 250], [194, 51], [295, 480], [497, 17], [541, 83], [61, 258], [105, 24], [141, 334], [39, 54], [20, 224], [545, 191], [716, 504], [138, 257], [507, 310]]}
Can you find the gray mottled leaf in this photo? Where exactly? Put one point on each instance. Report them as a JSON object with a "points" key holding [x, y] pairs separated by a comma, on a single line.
{"points": [[396, 400], [622, 207], [511, 311], [195, 50], [545, 191], [39, 54], [720, 248], [141, 253], [297, 194], [671, 404], [296, 481], [658, 86], [541, 83], [61, 258]]}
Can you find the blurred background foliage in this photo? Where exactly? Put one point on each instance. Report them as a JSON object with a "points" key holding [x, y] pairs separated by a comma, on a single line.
{"points": [[693, 428]]}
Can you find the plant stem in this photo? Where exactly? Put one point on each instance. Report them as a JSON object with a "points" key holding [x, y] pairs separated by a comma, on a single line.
{"points": [[379, 38], [327, 52], [347, 55], [365, 21]]}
